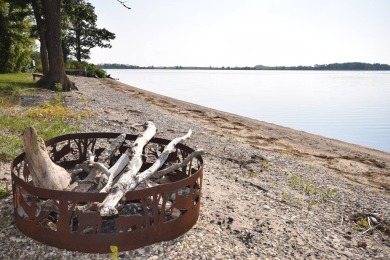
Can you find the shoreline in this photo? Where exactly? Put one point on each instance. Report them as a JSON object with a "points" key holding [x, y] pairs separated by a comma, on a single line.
{"points": [[269, 136], [333, 125], [267, 191]]}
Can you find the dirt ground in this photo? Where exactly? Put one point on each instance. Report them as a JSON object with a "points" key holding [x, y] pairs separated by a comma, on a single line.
{"points": [[268, 191]]}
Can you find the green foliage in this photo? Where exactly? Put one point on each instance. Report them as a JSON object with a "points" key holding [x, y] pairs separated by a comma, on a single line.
{"points": [[362, 223], [265, 164], [53, 110], [58, 87], [329, 193], [80, 32], [16, 45], [92, 70], [309, 187], [5, 192]]}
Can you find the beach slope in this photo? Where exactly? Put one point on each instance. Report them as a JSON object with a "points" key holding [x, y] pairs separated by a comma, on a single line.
{"points": [[268, 191]]}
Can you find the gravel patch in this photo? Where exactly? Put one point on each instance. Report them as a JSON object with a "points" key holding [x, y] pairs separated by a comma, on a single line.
{"points": [[268, 191]]}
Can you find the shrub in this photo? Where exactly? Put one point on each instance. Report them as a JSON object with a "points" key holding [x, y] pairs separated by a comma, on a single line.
{"points": [[92, 70]]}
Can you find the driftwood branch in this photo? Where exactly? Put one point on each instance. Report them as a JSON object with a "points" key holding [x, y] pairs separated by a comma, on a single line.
{"points": [[101, 177], [109, 152], [133, 178], [163, 157], [113, 172], [126, 181], [44, 173], [100, 166], [177, 166]]}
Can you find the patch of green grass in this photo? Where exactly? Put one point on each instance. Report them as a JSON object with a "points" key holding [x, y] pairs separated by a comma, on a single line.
{"points": [[49, 118], [265, 164], [18, 80], [310, 188], [10, 85], [4, 192], [54, 110], [285, 196], [13, 127], [362, 223], [329, 193]]}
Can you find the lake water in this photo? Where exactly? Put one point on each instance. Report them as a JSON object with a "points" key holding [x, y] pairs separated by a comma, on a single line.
{"points": [[352, 106]]}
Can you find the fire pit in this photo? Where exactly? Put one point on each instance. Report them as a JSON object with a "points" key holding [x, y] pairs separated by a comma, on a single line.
{"points": [[146, 216]]}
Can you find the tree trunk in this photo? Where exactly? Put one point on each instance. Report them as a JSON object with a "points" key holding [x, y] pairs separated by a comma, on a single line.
{"points": [[78, 43], [56, 75], [41, 31], [5, 43]]}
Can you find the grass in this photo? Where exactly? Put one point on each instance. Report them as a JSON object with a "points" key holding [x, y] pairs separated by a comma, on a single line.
{"points": [[49, 118], [10, 85], [264, 164], [13, 126], [363, 223], [4, 192], [310, 188]]}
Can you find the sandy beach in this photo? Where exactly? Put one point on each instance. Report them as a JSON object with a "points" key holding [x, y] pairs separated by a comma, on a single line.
{"points": [[346, 158], [268, 191]]}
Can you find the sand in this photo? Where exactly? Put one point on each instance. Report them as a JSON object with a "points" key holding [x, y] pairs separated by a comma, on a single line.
{"points": [[360, 164], [268, 191]]}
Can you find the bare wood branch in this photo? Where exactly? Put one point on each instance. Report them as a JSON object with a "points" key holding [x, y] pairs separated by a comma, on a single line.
{"points": [[177, 166], [127, 179], [99, 166], [163, 157], [109, 152], [113, 172], [44, 173], [104, 158]]}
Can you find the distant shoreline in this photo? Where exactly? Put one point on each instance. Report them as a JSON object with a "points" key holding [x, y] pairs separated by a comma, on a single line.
{"points": [[349, 66]]}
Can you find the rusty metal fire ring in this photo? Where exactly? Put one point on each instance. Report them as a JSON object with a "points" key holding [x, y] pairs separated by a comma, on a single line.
{"points": [[147, 216]]}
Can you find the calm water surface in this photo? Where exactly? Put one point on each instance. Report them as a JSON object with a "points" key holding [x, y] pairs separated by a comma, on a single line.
{"points": [[351, 106]]}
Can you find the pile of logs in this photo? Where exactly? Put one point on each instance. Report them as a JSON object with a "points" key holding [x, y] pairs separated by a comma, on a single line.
{"points": [[115, 180]]}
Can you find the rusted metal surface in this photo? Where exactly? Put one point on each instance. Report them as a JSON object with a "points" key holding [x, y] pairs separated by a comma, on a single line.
{"points": [[146, 216]]}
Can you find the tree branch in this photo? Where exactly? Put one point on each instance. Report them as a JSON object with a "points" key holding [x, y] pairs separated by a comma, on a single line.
{"points": [[177, 166], [114, 171], [123, 3], [163, 157], [127, 180]]}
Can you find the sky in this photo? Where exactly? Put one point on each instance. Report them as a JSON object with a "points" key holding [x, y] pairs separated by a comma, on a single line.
{"points": [[244, 32]]}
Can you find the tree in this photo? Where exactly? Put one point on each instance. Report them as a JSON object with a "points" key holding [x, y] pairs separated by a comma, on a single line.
{"points": [[51, 12], [5, 39], [82, 33], [56, 75], [16, 43], [41, 28]]}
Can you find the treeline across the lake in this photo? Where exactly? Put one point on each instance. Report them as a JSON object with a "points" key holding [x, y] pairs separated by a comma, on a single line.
{"points": [[333, 66]]}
